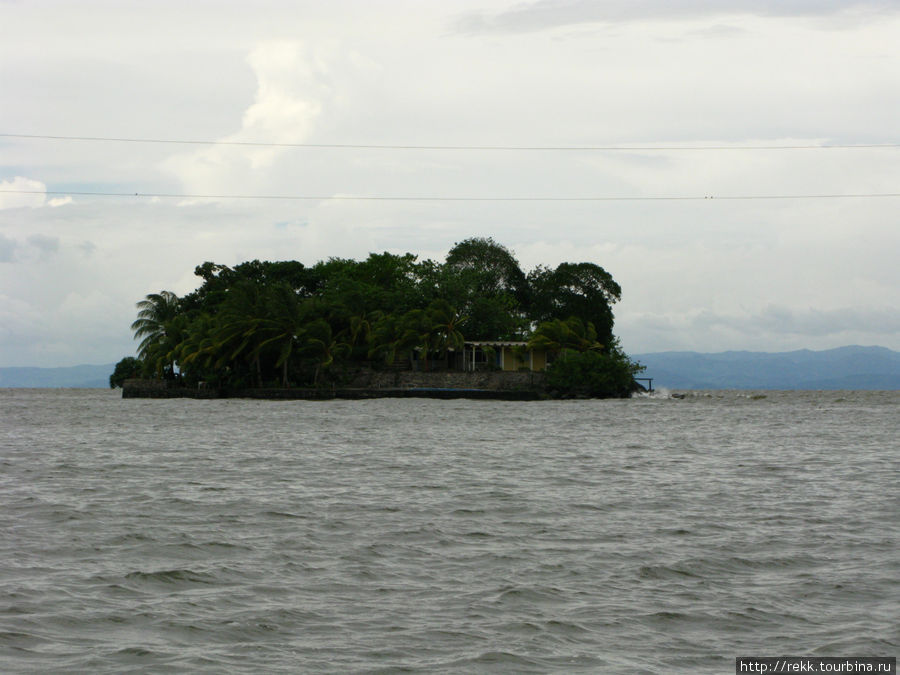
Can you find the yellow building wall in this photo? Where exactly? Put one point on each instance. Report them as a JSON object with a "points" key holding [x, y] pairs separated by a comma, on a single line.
{"points": [[537, 362], [509, 359]]}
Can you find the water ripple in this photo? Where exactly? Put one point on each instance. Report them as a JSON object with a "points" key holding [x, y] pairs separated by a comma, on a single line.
{"points": [[445, 536]]}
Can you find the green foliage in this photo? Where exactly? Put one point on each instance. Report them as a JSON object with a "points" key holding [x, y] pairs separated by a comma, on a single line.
{"points": [[491, 268], [582, 290], [571, 334], [282, 323], [319, 343], [219, 279], [285, 318], [384, 337], [445, 324], [155, 312], [484, 281], [593, 374], [126, 369]]}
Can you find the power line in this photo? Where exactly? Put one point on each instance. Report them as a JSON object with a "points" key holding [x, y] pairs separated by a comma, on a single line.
{"points": [[358, 146], [426, 198]]}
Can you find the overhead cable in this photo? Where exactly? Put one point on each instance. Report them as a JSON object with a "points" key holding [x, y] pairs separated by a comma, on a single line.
{"points": [[537, 148], [435, 198]]}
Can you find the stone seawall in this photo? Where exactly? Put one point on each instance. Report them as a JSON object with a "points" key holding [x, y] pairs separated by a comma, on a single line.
{"points": [[161, 389], [407, 379], [359, 394], [367, 383]]}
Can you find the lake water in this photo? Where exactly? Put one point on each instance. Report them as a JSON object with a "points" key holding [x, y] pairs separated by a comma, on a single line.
{"points": [[404, 535]]}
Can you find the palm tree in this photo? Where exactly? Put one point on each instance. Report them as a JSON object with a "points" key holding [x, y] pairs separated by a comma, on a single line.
{"points": [[286, 316], [584, 334], [199, 351], [238, 334], [167, 351], [445, 322], [319, 341], [359, 330], [569, 335], [416, 331], [155, 312], [384, 338]]}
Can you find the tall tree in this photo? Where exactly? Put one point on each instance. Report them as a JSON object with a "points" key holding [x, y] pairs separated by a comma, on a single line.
{"points": [[200, 350], [445, 326], [155, 313], [493, 268], [417, 331], [584, 290], [384, 338], [483, 280], [285, 318], [238, 332], [319, 342]]}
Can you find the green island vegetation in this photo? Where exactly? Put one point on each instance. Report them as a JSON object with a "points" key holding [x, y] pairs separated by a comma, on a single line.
{"points": [[283, 324]]}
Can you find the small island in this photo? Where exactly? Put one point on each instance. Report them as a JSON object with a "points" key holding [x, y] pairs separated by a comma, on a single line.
{"points": [[474, 326]]}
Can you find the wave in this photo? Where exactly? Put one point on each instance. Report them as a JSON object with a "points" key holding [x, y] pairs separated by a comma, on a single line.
{"points": [[174, 577]]}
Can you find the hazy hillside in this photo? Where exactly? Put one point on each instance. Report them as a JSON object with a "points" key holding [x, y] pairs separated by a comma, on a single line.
{"points": [[842, 368], [78, 377]]}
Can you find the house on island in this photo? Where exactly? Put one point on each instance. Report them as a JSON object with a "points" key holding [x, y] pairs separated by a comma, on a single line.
{"points": [[479, 355]]}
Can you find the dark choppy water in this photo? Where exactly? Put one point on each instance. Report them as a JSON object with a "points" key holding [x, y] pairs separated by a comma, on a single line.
{"points": [[650, 535]]}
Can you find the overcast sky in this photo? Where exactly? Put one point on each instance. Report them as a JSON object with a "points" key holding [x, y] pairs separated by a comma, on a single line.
{"points": [[697, 274]]}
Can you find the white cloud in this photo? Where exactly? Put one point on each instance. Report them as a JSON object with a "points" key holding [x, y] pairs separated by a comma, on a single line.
{"points": [[292, 85], [21, 191]]}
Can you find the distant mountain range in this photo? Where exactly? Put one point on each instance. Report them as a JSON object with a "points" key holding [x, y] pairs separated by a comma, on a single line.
{"points": [[843, 368], [76, 377]]}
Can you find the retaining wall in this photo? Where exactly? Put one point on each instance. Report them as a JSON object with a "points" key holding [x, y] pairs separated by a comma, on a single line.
{"points": [[366, 383]]}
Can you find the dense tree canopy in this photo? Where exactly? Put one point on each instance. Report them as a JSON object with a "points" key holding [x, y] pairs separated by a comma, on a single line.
{"points": [[282, 323], [127, 368], [583, 290]]}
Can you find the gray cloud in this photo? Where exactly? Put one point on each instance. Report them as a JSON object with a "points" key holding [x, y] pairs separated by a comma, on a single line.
{"points": [[545, 14], [44, 243], [781, 320], [13, 250], [818, 323], [773, 328], [7, 249]]}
